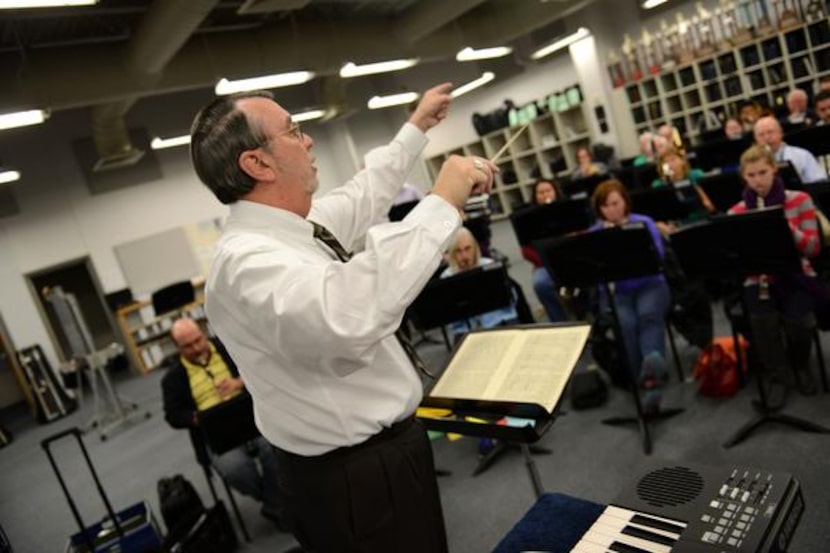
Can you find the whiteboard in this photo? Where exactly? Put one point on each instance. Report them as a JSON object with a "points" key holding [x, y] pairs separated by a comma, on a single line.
{"points": [[156, 261]]}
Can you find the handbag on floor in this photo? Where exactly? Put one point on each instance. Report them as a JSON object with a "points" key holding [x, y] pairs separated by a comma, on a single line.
{"points": [[588, 390], [211, 532]]}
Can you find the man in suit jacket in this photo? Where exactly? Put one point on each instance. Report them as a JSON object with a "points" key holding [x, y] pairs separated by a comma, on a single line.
{"points": [[203, 377]]}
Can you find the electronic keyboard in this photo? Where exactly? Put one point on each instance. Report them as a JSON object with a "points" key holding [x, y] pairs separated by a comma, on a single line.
{"points": [[685, 509]]}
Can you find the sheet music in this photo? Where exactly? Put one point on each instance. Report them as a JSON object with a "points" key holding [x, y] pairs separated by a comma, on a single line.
{"points": [[523, 365]]}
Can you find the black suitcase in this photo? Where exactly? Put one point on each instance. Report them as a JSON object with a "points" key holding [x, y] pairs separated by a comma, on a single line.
{"points": [[131, 530]]}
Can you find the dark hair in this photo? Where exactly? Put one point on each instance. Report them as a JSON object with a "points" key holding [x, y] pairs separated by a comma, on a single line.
{"points": [[220, 132], [556, 189], [604, 190], [821, 96]]}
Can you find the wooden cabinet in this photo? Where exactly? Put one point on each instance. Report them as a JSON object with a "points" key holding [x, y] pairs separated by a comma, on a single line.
{"points": [[700, 95], [147, 335], [547, 149]]}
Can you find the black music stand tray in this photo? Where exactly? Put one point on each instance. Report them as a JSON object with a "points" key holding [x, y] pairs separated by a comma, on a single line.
{"points": [[536, 222], [598, 259], [661, 204], [487, 414], [735, 246]]}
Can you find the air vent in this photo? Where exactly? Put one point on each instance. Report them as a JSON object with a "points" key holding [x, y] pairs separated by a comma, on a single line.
{"points": [[670, 486], [126, 159]]}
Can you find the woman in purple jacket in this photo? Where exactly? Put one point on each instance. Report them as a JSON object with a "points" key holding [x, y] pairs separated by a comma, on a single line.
{"points": [[641, 302]]}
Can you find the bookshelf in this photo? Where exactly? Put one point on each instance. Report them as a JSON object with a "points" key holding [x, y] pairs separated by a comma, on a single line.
{"points": [[547, 149], [701, 94], [147, 335]]}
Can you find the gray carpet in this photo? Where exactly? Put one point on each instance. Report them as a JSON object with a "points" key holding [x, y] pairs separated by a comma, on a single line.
{"points": [[589, 460]]}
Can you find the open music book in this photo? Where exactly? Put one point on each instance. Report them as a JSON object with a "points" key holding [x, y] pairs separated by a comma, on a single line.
{"points": [[520, 365]]}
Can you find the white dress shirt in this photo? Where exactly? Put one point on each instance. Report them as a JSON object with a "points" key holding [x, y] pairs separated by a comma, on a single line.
{"points": [[805, 163], [313, 337]]}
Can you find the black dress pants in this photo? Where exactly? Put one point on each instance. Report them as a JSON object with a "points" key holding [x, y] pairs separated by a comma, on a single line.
{"points": [[377, 496]]}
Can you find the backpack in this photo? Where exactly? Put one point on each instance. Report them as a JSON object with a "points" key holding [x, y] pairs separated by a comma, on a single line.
{"points": [[179, 501], [588, 390], [716, 368]]}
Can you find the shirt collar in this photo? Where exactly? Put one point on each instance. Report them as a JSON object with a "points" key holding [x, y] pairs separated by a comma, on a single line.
{"points": [[269, 220]]}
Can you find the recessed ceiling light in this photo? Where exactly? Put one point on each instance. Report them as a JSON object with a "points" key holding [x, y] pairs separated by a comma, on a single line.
{"points": [[581, 33], [22, 118], [9, 176], [351, 70], [309, 115], [22, 4], [224, 86], [161, 143], [378, 102], [485, 78], [471, 54]]}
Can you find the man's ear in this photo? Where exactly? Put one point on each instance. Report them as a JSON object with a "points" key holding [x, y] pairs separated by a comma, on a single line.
{"points": [[253, 164]]}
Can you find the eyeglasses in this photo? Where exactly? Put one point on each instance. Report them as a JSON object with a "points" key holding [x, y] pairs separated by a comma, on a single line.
{"points": [[294, 130]]}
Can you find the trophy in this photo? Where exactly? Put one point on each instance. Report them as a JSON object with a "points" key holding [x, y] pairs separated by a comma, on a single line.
{"points": [[744, 28], [630, 51], [615, 69], [814, 11], [684, 41], [667, 39], [785, 12], [649, 54], [703, 28], [762, 18]]}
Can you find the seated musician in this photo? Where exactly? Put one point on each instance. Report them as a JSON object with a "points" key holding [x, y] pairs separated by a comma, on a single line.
{"points": [[641, 302], [672, 168], [781, 306], [768, 133], [587, 166], [203, 377], [545, 192], [464, 254]]}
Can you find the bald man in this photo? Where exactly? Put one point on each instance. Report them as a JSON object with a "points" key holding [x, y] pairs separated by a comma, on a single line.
{"points": [[204, 377], [768, 133]]}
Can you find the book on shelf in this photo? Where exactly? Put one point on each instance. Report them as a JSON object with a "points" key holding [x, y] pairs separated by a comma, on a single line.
{"points": [[519, 371]]}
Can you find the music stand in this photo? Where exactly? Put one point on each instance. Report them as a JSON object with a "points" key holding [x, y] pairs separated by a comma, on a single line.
{"points": [[814, 139], [661, 204], [720, 153], [399, 211], [640, 176], [736, 246], [788, 174], [598, 259], [463, 296], [583, 187], [723, 189], [536, 222]]}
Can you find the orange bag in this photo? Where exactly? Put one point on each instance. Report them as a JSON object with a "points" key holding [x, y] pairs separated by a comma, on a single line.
{"points": [[716, 368]]}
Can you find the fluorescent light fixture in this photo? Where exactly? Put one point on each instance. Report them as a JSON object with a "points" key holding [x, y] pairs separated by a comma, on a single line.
{"points": [[471, 54], [648, 4], [9, 176], [378, 102], [485, 78], [224, 86], [309, 115], [22, 118], [21, 4], [161, 143], [352, 70], [581, 33]]}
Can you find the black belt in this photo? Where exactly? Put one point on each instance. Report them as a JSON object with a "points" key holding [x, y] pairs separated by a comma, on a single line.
{"points": [[386, 434]]}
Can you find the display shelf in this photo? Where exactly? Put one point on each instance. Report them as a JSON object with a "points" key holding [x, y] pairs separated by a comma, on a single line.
{"points": [[147, 335], [697, 94], [546, 149]]}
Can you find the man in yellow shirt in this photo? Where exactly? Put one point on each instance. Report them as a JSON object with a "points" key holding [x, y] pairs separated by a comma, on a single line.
{"points": [[204, 377]]}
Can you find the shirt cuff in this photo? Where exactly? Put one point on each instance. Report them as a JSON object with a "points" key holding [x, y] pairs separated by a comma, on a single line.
{"points": [[412, 138], [438, 215]]}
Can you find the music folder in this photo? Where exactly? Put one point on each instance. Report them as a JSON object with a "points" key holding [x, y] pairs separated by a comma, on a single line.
{"points": [[518, 372]]}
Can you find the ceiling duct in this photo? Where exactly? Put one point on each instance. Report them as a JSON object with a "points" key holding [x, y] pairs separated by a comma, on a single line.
{"points": [[163, 30], [270, 6]]}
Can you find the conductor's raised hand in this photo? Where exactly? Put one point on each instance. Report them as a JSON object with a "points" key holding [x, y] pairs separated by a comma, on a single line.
{"points": [[462, 176], [433, 107]]}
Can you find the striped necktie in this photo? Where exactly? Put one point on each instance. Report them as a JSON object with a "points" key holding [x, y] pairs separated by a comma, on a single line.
{"points": [[322, 234]]}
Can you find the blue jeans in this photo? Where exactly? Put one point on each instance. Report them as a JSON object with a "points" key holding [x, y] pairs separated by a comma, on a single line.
{"points": [[258, 480], [545, 289], [642, 314]]}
